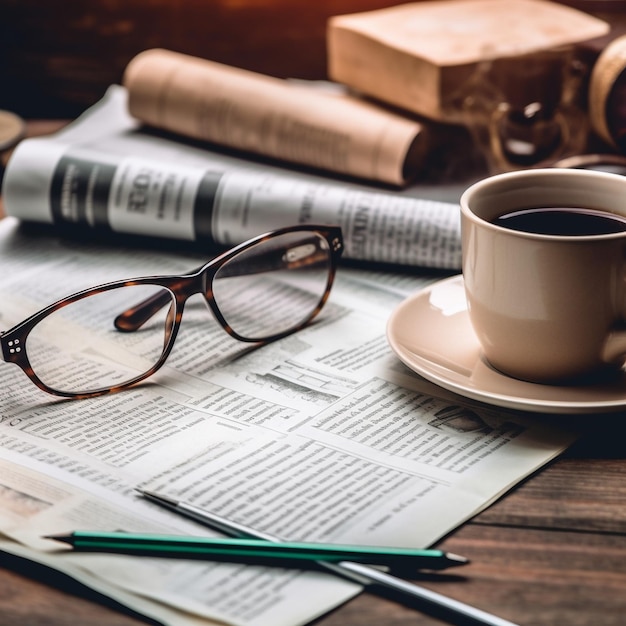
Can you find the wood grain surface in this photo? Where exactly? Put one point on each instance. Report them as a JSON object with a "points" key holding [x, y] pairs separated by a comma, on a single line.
{"points": [[57, 58], [60, 57]]}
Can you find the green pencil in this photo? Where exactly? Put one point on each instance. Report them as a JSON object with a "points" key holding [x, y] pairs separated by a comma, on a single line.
{"points": [[255, 549]]}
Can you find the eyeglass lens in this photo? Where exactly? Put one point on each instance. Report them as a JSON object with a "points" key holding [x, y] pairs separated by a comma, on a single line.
{"points": [[273, 287], [268, 289], [77, 349]]}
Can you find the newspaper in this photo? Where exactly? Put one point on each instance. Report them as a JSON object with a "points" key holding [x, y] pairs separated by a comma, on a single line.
{"points": [[322, 436], [282, 119], [105, 171]]}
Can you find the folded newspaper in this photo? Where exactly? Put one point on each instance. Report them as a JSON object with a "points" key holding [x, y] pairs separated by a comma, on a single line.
{"points": [[105, 171], [323, 436]]}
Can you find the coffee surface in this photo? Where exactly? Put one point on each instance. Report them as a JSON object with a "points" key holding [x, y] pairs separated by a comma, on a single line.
{"points": [[563, 221]]}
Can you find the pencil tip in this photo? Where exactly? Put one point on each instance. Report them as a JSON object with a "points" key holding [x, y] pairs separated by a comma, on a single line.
{"points": [[62, 538], [152, 495]]}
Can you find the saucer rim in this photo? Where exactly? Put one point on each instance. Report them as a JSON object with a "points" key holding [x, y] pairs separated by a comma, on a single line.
{"points": [[486, 397]]}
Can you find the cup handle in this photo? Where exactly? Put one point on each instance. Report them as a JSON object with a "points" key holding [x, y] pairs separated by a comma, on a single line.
{"points": [[614, 352]]}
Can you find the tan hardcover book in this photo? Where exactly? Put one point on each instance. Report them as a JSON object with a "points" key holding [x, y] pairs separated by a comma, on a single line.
{"points": [[416, 55]]}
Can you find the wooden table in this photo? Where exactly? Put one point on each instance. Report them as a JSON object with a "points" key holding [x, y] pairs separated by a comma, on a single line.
{"points": [[550, 552]]}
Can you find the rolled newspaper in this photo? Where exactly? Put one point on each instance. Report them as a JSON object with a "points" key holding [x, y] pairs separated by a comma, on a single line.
{"points": [[277, 118]]}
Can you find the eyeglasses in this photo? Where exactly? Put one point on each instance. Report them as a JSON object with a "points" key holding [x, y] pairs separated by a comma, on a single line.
{"points": [[107, 338]]}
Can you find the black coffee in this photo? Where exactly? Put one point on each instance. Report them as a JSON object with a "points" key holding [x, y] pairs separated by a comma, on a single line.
{"points": [[563, 221]]}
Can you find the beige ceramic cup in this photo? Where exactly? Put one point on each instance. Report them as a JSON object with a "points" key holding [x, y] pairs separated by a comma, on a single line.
{"points": [[545, 308]]}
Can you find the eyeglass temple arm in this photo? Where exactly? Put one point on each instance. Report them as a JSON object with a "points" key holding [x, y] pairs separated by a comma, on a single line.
{"points": [[135, 317]]}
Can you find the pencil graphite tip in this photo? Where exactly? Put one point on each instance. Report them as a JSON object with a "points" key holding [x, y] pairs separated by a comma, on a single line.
{"points": [[152, 495], [61, 538]]}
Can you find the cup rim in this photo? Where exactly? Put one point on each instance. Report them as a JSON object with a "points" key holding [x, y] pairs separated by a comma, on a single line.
{"points": [[542, 175]]}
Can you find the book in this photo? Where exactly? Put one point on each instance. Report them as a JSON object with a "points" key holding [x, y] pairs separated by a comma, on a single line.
{"points": [[285, 120], [416, 56]]}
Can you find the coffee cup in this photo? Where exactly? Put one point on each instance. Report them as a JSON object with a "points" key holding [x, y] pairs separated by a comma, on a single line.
{"points": [[544, 269]]}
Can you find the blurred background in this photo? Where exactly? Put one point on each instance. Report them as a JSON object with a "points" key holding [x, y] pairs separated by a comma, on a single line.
{"points": [[57, 58]]}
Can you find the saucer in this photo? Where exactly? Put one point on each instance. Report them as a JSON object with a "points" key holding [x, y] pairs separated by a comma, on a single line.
{"points": [[431, 333]]}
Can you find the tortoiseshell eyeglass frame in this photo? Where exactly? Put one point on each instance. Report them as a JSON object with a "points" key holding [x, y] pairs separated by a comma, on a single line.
{"points": [[181, 287]]}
